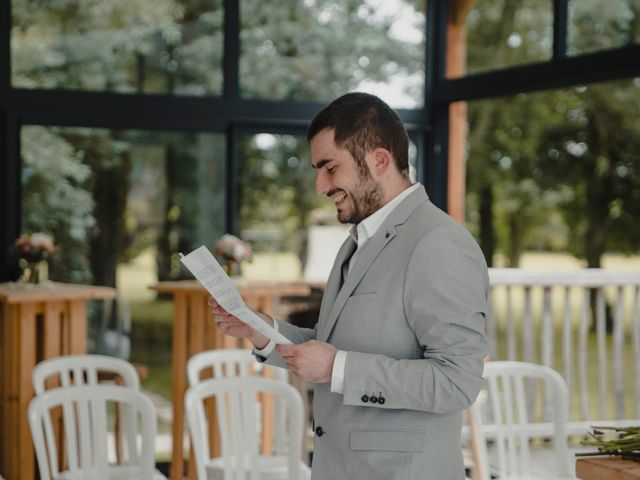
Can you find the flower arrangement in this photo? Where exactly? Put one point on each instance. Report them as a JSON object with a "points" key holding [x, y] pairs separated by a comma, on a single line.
{"points": [[34, 247], [231, 249], [625, 442], [32, 251]]}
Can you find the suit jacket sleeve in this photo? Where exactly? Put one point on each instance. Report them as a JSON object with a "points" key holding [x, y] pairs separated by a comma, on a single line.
{"points": [[293, 333], [445, 303]]}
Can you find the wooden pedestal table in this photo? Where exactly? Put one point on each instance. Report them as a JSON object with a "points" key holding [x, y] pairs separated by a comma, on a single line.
{"points": [[607, 468], [194, 331], [36, 322]]}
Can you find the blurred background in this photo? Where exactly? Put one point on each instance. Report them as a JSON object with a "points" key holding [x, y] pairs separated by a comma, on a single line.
{"points": [[132, 130]]}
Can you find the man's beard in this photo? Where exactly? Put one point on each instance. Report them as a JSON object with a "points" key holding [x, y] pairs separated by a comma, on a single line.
{"points": [[366, 198]]}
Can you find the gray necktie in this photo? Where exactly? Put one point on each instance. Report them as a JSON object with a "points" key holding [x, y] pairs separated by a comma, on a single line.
{"points": [[345, 265]]}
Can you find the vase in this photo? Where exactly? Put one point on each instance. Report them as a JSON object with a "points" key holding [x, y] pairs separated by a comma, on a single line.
{"points": [[35, 273], [231, 268]]}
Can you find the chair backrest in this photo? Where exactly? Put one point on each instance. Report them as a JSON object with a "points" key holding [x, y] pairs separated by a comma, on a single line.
{"points": [[84, 425], [229, 362], [238, 423], [70, 370], [510, 387], [237, 362]]}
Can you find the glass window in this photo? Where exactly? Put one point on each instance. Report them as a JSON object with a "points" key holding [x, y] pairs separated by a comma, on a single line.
{"points": [[596, 25], [320, 49], [144, 46], [278, 203], [120, 205], [499, 34], [108, 196], [549, 181]]}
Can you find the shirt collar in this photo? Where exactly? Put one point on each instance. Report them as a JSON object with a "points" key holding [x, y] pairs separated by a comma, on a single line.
{"points": [[368, 227]]}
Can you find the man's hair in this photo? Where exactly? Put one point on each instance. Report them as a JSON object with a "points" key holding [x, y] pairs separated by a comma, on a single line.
{"points": [[361, 122]]}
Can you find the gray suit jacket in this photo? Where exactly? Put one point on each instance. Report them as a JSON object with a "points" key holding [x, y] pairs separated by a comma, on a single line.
{"points": [[411, 315]]}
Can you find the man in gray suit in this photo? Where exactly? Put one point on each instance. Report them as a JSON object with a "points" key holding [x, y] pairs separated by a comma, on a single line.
{"points": [[397, 352]]}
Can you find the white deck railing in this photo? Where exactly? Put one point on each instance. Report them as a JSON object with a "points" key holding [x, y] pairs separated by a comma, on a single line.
{"points": [[546, 317]]}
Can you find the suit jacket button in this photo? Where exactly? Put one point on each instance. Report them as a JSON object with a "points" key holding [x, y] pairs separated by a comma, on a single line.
{"points": [[319, 431], [373, 399], [381, 400], [364, 398]]}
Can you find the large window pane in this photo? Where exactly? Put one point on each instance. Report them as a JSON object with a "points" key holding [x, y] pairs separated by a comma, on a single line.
{"points": [[556, 172], [280, 210], [596, 25], [120, 206], [278, 203], [554, 184], [502, 33], [319, 49], [150, 46]]}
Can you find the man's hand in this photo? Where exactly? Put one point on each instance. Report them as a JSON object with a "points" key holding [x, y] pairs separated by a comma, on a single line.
{"points": [[233, 326], [312, 361]]}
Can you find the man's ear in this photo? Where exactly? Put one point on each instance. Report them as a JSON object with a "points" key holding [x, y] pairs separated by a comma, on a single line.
{"points": [[381, 161]]}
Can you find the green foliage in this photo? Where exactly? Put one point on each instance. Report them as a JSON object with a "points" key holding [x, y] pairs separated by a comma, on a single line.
{"points": [[595, 24], [594, 148], [504, 33], [320, 49], [557, 169], [56, 199]]}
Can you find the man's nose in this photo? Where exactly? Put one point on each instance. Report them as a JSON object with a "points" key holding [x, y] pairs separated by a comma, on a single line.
{"points": [[322, 185]]}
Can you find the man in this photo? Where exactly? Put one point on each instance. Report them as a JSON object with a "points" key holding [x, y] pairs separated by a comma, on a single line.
{"points": [[397, 352]]}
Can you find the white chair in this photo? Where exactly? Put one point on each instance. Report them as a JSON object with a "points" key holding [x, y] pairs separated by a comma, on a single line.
{"points": [[239, 427], [82, 369], [70, 370], [237, 362], [510, 393], [84, 428], [229, 362]]}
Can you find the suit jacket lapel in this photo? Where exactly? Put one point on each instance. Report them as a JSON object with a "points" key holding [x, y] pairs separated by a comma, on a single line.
{"points": [[333, 282], [334, 299]]}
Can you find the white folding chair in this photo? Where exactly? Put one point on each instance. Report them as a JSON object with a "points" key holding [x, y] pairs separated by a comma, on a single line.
{"points": [[239, 427], [70, 370], [85, 426], [510, 393]]}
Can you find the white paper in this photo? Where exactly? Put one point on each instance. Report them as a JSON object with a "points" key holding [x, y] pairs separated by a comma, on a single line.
{"points": [[210, 274]]}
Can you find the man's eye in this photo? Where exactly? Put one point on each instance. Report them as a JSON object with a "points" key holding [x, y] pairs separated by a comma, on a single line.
{"points": [[331, 169]]}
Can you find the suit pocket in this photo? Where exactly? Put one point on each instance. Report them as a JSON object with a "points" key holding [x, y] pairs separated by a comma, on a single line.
{"points": [[368, 298], [384, 454], [373, 439]]}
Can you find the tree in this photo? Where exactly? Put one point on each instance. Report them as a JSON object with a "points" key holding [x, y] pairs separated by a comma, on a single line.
{"points": [[594, 150], [513, 189], [56, 200], [494, 31]]}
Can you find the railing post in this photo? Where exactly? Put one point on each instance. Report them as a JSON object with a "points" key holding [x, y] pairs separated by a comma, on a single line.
{"points": [[574, 317]]}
